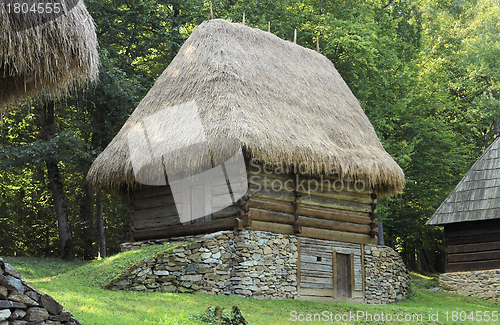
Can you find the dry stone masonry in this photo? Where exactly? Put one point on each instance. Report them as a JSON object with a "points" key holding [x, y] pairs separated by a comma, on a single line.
{"points": [[246, 263], [386, 276], [21, 304], [480, 284], [251, 264]]}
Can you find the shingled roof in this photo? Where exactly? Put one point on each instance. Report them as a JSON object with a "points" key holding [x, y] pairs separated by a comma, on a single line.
{"points": [[477, 196]]}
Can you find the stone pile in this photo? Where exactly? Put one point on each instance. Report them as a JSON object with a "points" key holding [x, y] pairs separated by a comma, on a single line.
{"points": [[21, 304], [480, 284], [386, 276], [246, 263]]}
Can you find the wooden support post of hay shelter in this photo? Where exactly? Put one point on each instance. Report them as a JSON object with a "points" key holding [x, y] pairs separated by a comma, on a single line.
{"points": [[295, 36], [317, 43], [243, 18], [268, 26], [211, 12]]}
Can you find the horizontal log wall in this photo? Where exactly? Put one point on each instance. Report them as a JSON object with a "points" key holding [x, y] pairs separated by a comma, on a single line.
{"points": [[155, 215], [323, 211], [472, 246]]}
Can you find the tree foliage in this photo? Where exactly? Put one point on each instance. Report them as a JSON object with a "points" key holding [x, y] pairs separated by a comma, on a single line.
{"points": [[425, 72]]}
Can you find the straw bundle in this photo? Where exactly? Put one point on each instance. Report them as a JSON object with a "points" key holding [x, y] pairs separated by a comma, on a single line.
{"points": [[281, 102], [48, 57]]}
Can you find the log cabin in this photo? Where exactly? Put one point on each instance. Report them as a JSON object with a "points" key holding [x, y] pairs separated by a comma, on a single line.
{"points": [[244, 130], [470, 216]]}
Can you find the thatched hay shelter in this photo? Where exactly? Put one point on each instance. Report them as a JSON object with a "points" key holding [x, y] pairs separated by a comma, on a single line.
{"points": [[46, 57], [306, 144], [471, 216], [283, 102]]}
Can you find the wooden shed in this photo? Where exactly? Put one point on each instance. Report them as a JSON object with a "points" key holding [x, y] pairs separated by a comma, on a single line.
{"points": [[288, 145], [471, 216]]}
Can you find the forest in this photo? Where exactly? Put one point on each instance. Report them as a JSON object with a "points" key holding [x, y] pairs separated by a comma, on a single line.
{"points": [[425, 72]]}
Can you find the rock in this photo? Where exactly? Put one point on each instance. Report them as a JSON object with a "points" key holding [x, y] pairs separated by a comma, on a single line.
{"points": [[18, 322], [19, 297], [4, 314], [50, 304], [12, 271], [11, 304], [3, 292], [17, 314], [12, 283], [36, 314]]}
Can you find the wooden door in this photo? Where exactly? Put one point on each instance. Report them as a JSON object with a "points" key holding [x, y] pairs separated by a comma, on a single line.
{"points": [[343, 276]]}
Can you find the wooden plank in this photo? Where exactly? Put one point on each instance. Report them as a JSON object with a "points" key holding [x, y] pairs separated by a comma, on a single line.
{"points": [[277, 217], [270, 205], [155, 223], [327, 299], [335, 203], [327, 282], [352, 196], [472, 266], [334, 214], [153, 202], [313, 233], [318, 273], [316, 292], [352, 278], [482, 247], [451, 233], [299, 259], [333, 184], [471, 240], [158, 212], [183, 230], [151, 192], [475, 256], [363, 270], [272, 195], [327, 267], [314, 285], [334, 274], [232, 210]]}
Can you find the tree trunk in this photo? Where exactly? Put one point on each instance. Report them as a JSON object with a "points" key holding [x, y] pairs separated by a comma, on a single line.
{"points": [[56, 186], [380, 238], [100, 226], [88, 216]]}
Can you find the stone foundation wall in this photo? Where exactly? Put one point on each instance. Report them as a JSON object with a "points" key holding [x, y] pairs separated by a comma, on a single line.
{"points": [[480, 284], [246, 263], [21, 304], [386, 276], [251, 264]]}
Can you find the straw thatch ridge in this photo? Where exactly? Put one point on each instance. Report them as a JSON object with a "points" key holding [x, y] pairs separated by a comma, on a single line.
{"points": [[282, 102], [477, 196], [46, 58]]}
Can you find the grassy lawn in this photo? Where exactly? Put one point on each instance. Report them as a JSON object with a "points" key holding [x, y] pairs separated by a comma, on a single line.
{"points": [[77, 285]]}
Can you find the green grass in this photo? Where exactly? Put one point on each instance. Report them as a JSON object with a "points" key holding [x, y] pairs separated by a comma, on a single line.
{"points": [[78, 286]]}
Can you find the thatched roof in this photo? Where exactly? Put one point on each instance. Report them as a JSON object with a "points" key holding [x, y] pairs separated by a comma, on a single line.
{"points": [[46, 57], [477, 196], [282, 102]]}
